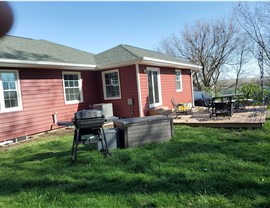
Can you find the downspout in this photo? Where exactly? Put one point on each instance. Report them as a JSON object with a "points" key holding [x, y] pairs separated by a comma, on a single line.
{"points": [[192, 91], [54, 117], [139, 90]]}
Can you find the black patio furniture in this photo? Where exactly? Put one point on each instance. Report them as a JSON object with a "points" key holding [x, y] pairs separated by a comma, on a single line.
{"points": [[222, 105], [241, 101], [207, 101]]}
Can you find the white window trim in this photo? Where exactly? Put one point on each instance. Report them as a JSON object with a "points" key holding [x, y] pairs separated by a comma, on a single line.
{"points": [[19, 94], [80, 88], [159, 86], [104, 85], [181, 85]]}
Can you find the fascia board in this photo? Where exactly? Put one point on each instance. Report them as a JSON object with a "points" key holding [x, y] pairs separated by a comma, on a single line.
{"points": [[53, 65], [44, 64], [161, 62]]}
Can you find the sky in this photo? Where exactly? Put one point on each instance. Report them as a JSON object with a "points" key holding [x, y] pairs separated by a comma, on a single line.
{"points": [[97, 26]]}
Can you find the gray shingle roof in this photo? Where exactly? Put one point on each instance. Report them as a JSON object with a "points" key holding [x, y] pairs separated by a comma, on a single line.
{"points": [[123, 53], [114, 55], [26, 49], [153, 54]]}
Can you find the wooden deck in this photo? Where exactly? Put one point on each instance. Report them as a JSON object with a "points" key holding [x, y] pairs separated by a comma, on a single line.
{"points": [[249, 117]]}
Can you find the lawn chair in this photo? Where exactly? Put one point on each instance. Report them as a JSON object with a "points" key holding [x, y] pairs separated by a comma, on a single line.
{"points": [[180, 108]]}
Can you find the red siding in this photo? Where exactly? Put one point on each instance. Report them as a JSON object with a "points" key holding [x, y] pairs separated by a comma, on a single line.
{"points": [[144, 89], [128, 84], [42, 95], [168, 87]]}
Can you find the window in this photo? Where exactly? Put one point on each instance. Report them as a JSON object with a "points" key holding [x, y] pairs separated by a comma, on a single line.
{"points": [[73, 87], [10, 95], [178, 80], [111, 84]]}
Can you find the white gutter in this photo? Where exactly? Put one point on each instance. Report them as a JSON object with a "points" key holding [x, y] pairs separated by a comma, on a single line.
{"points": [[44, 64], [161, 61], [148, 61], [139, 90]]}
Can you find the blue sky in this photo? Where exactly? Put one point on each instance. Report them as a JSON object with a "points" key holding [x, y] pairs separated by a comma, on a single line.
{"points": [[97, 26]]}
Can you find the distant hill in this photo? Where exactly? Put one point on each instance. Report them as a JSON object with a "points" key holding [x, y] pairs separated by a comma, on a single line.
{"points": [[230, 83]]}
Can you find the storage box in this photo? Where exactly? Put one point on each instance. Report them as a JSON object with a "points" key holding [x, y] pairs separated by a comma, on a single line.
{"points": [[111, 138], [92, 141], [141, 130]]}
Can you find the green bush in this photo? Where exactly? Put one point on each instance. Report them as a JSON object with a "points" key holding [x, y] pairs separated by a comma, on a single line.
{"points": [[253, 91]]}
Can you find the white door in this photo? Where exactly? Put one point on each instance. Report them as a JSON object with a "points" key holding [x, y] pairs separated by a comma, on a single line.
{"points": [[154, 87]]}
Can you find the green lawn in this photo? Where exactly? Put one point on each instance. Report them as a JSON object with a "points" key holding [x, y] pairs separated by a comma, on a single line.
{"points": [[199, 167]]}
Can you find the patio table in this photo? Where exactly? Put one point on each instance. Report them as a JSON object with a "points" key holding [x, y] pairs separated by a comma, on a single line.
{"points": [[223, 105]]}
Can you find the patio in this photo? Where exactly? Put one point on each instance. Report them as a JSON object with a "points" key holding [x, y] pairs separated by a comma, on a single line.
{"points": [[248, 117]]}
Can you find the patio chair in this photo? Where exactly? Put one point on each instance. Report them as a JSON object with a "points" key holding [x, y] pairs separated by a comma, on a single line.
{"points": [[180, 108], [207, 102]]}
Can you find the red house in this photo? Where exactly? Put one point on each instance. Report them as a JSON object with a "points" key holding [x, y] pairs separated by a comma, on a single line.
{"points": [[40, 78]]}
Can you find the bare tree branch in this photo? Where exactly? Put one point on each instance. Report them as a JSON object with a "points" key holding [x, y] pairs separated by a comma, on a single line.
{"points": [[209, 44], [255, 22]]}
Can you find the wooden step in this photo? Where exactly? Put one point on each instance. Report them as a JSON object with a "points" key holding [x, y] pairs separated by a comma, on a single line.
{"points": [[164, 110]]}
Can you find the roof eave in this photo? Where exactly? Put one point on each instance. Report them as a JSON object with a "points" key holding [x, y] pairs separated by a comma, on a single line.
{"points": [[118, 64], [162, 62], [149, 61], [72, 66], [44, 64]]}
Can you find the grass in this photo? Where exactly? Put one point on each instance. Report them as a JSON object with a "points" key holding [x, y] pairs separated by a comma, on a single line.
{"points": [[199, 167]]}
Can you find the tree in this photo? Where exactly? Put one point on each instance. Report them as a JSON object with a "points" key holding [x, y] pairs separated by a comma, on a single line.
{"points": [[209, 44], [255, 22], [241, 58]]}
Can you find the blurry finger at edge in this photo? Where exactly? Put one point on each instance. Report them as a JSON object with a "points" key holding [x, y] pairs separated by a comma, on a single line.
{"points": [[6, 18]]}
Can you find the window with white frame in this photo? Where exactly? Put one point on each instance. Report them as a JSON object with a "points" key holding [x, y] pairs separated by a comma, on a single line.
{"points": [[72, 87], [10, 94], [111, 84], [178, 80]]}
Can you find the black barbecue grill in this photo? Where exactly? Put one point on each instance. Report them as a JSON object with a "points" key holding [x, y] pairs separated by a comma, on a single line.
{"points": [[88, 122]]}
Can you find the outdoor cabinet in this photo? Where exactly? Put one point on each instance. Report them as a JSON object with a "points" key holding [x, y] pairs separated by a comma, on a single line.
{"points": [[141, 130]]}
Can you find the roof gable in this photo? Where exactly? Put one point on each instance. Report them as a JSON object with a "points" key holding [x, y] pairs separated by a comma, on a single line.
{"points": [[115, 55]]}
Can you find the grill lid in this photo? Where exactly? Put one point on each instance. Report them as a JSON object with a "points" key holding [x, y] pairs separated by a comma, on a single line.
{"points": [[88, 114], [90, 123]]}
